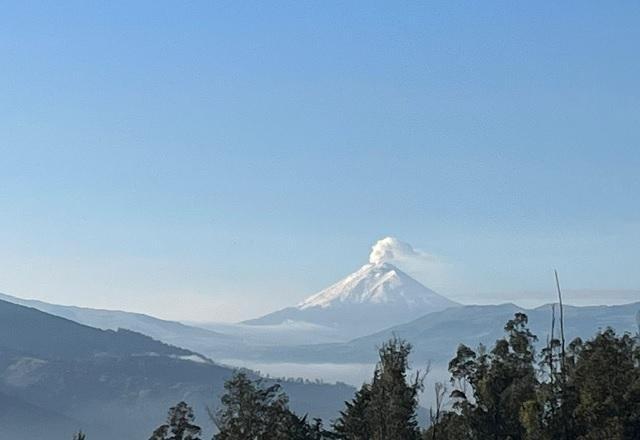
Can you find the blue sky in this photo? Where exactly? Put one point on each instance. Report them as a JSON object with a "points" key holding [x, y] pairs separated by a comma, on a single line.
{"points": [[213, 161]]}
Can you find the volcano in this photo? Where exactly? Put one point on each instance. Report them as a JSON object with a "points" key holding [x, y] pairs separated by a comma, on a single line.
{"points": [[376, 296]]}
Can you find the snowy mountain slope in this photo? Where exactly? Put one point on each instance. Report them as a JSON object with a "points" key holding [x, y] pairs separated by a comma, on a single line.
{"points": [[380, 283], [375, 297]]}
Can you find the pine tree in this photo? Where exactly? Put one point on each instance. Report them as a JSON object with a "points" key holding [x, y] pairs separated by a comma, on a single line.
{"points": [[301, 429], [80, 436], [385, 409], [251, 411], [392, 410], [352, 423], [179, 425], [450, 426]]}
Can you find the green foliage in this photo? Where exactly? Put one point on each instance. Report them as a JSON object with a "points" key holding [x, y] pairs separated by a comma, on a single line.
{"points": [[179, 425], [253, 412], [392, 409], [352, 423], [606, 378], [385, 409], [504, 394], [597, 397], [586, 391], [500, 381], [451, 426]]}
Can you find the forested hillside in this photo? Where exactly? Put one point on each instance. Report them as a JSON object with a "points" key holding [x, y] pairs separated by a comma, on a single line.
{"points": [[586, 390]]}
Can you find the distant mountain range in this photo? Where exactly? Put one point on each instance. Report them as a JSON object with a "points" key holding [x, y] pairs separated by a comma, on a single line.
{"points": [[67, 367], [87, 367], [215, 340], [208, 342], [436, 336], [377, 296], [61, 376]]}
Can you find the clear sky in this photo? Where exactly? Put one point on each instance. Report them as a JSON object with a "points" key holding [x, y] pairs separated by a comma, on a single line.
{"points": [[217, 160]]}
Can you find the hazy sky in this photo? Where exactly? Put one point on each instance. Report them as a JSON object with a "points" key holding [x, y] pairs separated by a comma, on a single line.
{"points": [[213, 161]]}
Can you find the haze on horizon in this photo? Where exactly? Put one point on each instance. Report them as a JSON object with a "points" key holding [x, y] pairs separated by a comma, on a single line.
{"points": [[218, 162]]}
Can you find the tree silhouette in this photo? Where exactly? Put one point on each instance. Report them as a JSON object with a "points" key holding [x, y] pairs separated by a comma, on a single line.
{"points": [[385, 409], [251, 411], [179, 425]]}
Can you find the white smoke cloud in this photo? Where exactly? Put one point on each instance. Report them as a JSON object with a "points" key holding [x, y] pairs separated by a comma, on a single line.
{"points": [[392, 250], [422, 265]]}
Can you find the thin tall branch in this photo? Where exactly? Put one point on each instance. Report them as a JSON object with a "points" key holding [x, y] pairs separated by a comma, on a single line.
{"points": [[563, 372], [436, 415], [562, 343], [550, 343], [553, 321]]}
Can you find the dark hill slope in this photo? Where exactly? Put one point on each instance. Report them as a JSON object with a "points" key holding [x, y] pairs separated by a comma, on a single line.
{"points": [[115, 384]]}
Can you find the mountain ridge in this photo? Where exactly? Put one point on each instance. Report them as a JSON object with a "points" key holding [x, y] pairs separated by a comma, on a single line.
{"points": [[372, 298], [436, 336], [93, 377]]}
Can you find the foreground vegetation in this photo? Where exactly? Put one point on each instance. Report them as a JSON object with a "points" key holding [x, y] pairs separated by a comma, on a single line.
{"points": [[591, 390], [586, 390]]}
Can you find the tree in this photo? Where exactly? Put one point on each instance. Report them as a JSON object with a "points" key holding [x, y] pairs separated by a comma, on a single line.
{"points": [[385, 409], [179, 425], [606, 377], [590, 390], [500, 380], [394, 401], [251, 411], [450, 426], [79, 436], [317, 431], [301, 429], [436, 413], [548, 415], [352, 423]]}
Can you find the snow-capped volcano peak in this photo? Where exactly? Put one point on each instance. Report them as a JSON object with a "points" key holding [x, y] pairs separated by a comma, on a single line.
{"points": [[376, 283], [376, 296]]}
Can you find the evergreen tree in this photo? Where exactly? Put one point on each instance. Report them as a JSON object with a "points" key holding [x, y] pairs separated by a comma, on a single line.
{"points": [[392, 409], [450, 426], [253, 412], [79, 436], [317, 431], [352, 423], [385, 409], [301, 429], [179, 425]]}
